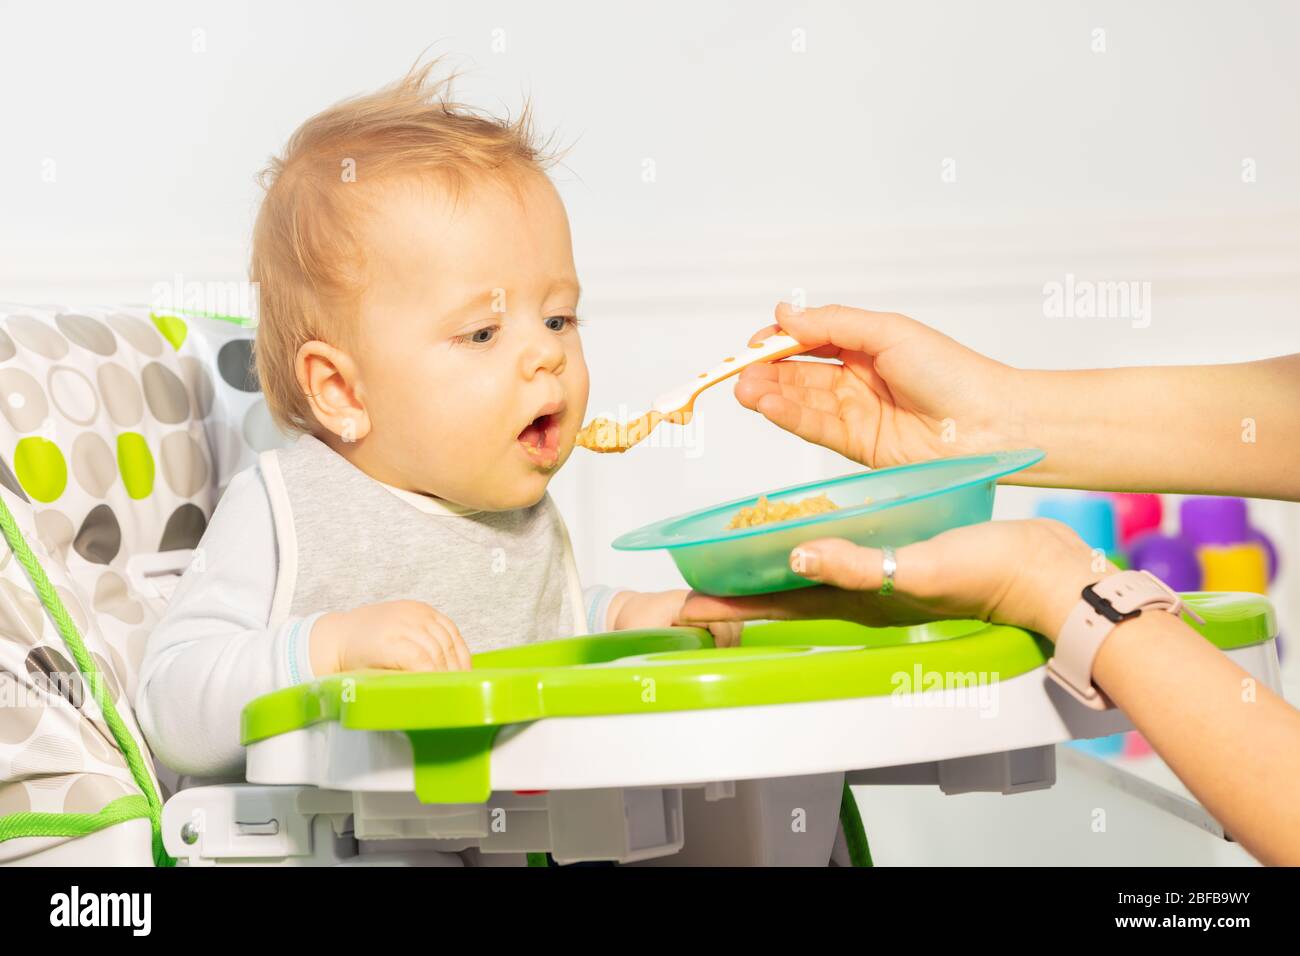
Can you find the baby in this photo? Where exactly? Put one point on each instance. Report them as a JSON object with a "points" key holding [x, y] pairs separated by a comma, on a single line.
{"points": [[418, 333]]}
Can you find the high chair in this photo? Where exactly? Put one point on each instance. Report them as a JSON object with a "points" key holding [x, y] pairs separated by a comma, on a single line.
{"points": [[120, 429]]}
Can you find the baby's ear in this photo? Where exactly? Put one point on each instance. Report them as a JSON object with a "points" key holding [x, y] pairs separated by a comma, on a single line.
{"points": [[330, 383]]}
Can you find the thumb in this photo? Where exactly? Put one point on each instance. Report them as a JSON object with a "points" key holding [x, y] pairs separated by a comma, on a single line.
{"points": [[839, 563], [856, 330]]}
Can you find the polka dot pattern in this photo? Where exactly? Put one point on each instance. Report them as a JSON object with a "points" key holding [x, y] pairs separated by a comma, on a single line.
{"points": [[92, 464], [92, 792], [173, 329], [119, 429], [165, 393], [112, 596], [53, 736], [22, 400], [21, 714], [137, 333], [72, 604], [41, 468], [55, 531], [14, 799], [184, 464], [73, 395], [21, 614], [122, 395], [111, 686], [31, 333], [135, 462], [89, 333], [51, 671], [185, 526], [99, 539], [235, 365], [200, 385]]}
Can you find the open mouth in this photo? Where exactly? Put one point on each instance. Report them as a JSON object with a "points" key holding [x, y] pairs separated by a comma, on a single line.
{"points": [[540, 438]]}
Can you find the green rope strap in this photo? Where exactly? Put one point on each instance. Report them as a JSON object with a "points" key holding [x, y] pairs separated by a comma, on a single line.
{"points": [[125, 742], [854, 834], [29, 824]]}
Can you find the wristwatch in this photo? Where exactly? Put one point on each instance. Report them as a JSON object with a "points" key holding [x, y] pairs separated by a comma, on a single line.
{"points": [[1111, 601]]}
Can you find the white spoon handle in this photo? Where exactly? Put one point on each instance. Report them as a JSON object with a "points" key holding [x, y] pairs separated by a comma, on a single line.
{"points": [[771, 349]]}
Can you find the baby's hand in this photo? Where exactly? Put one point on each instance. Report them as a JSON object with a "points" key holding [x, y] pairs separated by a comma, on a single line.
{"points": [[635, 609], [725, 633], [394, 635]]}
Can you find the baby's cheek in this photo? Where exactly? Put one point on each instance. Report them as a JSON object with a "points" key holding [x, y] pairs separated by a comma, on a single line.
{"points": [[578, 383], [580, 367], [464, 426]]}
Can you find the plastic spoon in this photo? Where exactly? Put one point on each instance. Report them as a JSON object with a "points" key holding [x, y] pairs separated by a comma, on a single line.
{"points": [[602, 435]]}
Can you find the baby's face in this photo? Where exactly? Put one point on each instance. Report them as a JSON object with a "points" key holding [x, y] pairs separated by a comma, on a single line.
{"points": [[470, 365]]}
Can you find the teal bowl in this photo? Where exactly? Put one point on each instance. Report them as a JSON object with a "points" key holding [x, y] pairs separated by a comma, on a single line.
{"points": [[907, 503]]}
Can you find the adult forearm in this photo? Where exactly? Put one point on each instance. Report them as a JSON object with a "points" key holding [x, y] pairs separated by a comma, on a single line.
{"points": [[1232, 741], [1219, 429]]}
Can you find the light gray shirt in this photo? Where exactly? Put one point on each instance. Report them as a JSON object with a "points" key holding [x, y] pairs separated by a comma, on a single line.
{"points": [[304, 533]]}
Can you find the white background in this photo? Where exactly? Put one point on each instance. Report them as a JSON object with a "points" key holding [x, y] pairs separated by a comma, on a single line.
{"points": [[775, 171]]}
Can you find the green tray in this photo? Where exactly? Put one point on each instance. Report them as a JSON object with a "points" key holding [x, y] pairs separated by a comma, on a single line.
{"points": [[452, 718]]}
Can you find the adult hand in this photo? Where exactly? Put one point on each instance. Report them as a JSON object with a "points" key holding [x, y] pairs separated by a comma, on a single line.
{"points": [[1025, 573], [900, 391]]}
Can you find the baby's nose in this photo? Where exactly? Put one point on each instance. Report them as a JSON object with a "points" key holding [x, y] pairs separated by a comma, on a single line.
{"points": [[543, 353]]}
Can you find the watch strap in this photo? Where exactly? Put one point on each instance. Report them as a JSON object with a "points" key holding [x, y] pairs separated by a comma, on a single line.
{"points": [[1102, 606]]}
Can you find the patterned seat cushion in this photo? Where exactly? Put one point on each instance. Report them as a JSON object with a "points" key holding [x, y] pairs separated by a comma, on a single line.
{"points": [[119, 429], [216, 358], [57, 754]]}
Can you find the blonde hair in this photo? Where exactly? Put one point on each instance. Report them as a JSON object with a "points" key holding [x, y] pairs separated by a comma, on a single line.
{"points": [[307, 260]]}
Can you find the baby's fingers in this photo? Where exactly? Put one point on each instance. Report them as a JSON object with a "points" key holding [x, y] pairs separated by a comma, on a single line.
{"points": [[407, 652], [726, 633], [451, 646]]}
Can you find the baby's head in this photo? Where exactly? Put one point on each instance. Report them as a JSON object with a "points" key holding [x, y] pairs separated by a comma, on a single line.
{"points": [[419, 299]]}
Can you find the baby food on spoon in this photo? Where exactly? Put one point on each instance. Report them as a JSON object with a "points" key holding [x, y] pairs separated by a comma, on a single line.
{"points": [[602, 435]]}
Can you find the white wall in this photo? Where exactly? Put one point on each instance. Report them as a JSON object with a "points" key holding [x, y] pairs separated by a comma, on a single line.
{"points": [[775, 170]]}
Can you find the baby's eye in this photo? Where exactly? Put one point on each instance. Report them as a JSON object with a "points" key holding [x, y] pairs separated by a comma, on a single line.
{"points": [[479, 336], [558, 323]]}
